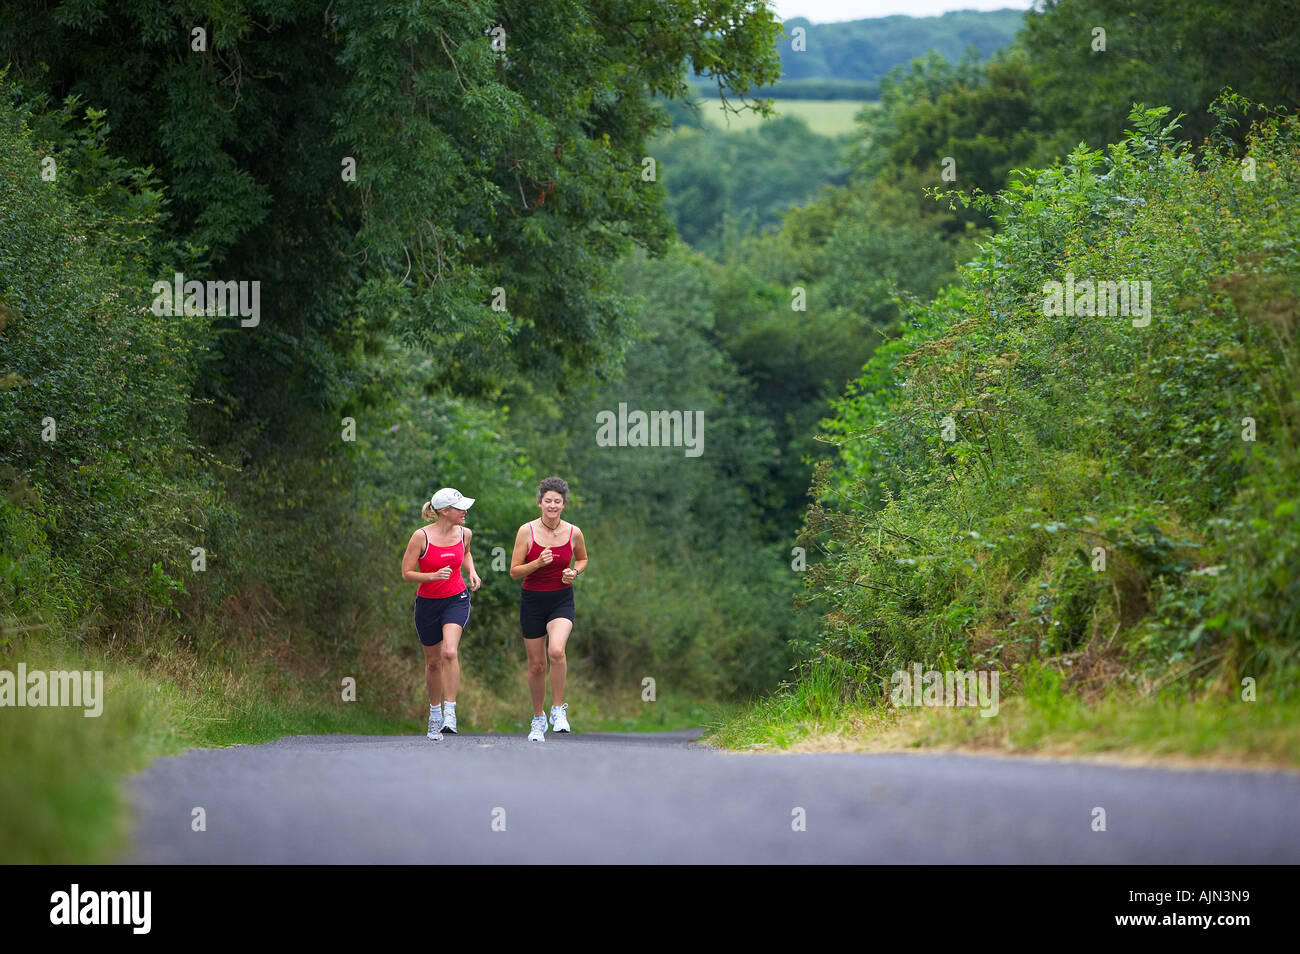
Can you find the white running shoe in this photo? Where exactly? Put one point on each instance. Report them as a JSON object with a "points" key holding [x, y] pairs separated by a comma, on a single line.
{"points": [[449, 721], [559, 719], [538, 732], [435, 724]]}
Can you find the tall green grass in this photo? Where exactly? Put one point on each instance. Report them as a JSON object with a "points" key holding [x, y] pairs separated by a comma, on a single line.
{"points": [[811, 705], [1041, 717], [61, 794]]}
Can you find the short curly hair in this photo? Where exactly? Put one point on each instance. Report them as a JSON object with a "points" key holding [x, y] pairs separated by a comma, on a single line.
{"points": [[557, 484]]}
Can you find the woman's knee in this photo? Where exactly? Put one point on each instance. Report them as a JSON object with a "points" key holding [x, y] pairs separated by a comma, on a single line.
{"points": [[433, 662], [555, 654], [448, 653]]}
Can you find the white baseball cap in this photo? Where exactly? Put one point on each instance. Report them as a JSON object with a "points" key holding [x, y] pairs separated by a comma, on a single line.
{"points": [[450, 497]]}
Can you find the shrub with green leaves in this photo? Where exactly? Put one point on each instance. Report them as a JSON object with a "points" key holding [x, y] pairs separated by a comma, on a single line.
{"points": [[1015, 481], [94, 388]]}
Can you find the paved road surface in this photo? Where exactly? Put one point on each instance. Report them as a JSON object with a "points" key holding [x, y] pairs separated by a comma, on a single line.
{"points": [[647, 798]]}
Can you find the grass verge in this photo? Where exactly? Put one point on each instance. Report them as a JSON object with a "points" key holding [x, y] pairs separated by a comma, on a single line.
{"points": [[1209, 731], [60, 792]]}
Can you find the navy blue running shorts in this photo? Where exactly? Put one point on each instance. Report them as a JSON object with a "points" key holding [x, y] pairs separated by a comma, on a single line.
{"points": [[431, 615]]}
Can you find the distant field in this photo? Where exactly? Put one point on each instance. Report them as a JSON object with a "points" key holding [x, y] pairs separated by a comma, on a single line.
{"points": [[829, 117]]}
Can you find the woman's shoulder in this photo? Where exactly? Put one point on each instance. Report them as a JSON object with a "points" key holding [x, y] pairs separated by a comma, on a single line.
{"points": [[430, 532]]}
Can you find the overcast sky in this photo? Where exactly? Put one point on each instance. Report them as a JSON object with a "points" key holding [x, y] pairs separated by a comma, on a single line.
{"points": [[832, 11]]}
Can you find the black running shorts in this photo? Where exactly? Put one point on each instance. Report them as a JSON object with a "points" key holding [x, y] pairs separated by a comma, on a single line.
{"points": [[539, 607]]}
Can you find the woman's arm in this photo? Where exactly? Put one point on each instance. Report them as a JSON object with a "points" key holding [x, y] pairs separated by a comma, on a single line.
{"points": [[468, 562], [518, 568], [411, 562], [579, 557]]}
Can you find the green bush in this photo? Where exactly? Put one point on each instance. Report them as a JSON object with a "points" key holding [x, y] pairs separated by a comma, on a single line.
{"points": [[94, 387], [1079, 435]]}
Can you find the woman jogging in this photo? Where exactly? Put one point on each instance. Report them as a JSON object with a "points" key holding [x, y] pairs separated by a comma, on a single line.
{"points": [[543, 550], [434, 557]]}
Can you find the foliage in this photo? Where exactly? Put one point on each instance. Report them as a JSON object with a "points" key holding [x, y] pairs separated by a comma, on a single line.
{"points": [[521, 170], [982, 117], [1075, 435], [94, 387], [476, 168], [1180, 54], [744, 180]]}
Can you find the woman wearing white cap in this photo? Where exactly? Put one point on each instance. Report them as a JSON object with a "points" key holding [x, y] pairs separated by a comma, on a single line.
{"points": [[434, 557]]}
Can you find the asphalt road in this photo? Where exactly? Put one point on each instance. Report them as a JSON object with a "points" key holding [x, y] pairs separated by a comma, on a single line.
{"points": [[638, 798]]}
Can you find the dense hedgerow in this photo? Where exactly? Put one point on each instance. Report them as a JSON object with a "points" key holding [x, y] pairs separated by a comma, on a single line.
{"points": [[1168, 450], [97, 467]]}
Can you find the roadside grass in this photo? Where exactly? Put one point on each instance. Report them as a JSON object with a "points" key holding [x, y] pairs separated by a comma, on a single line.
{"points": [[812, 707], [61, 798], [1211, 730]]}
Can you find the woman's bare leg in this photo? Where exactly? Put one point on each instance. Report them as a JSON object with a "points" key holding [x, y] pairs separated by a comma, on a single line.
{"points": [[433, 673], [536, 672], [450, 660], [557, 636]]}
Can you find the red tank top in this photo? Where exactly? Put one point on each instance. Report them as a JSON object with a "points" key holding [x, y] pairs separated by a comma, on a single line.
{"points": [[435, 558], [548, 577]]}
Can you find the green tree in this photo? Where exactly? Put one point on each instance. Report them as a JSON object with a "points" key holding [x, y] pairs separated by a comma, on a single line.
{"points": [[497, 145], [713, 177], [967, 123], [1156, 51], [99, 472]]}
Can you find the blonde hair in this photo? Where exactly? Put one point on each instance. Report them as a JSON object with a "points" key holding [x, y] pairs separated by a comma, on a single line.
{"points": [[427, 511]]}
